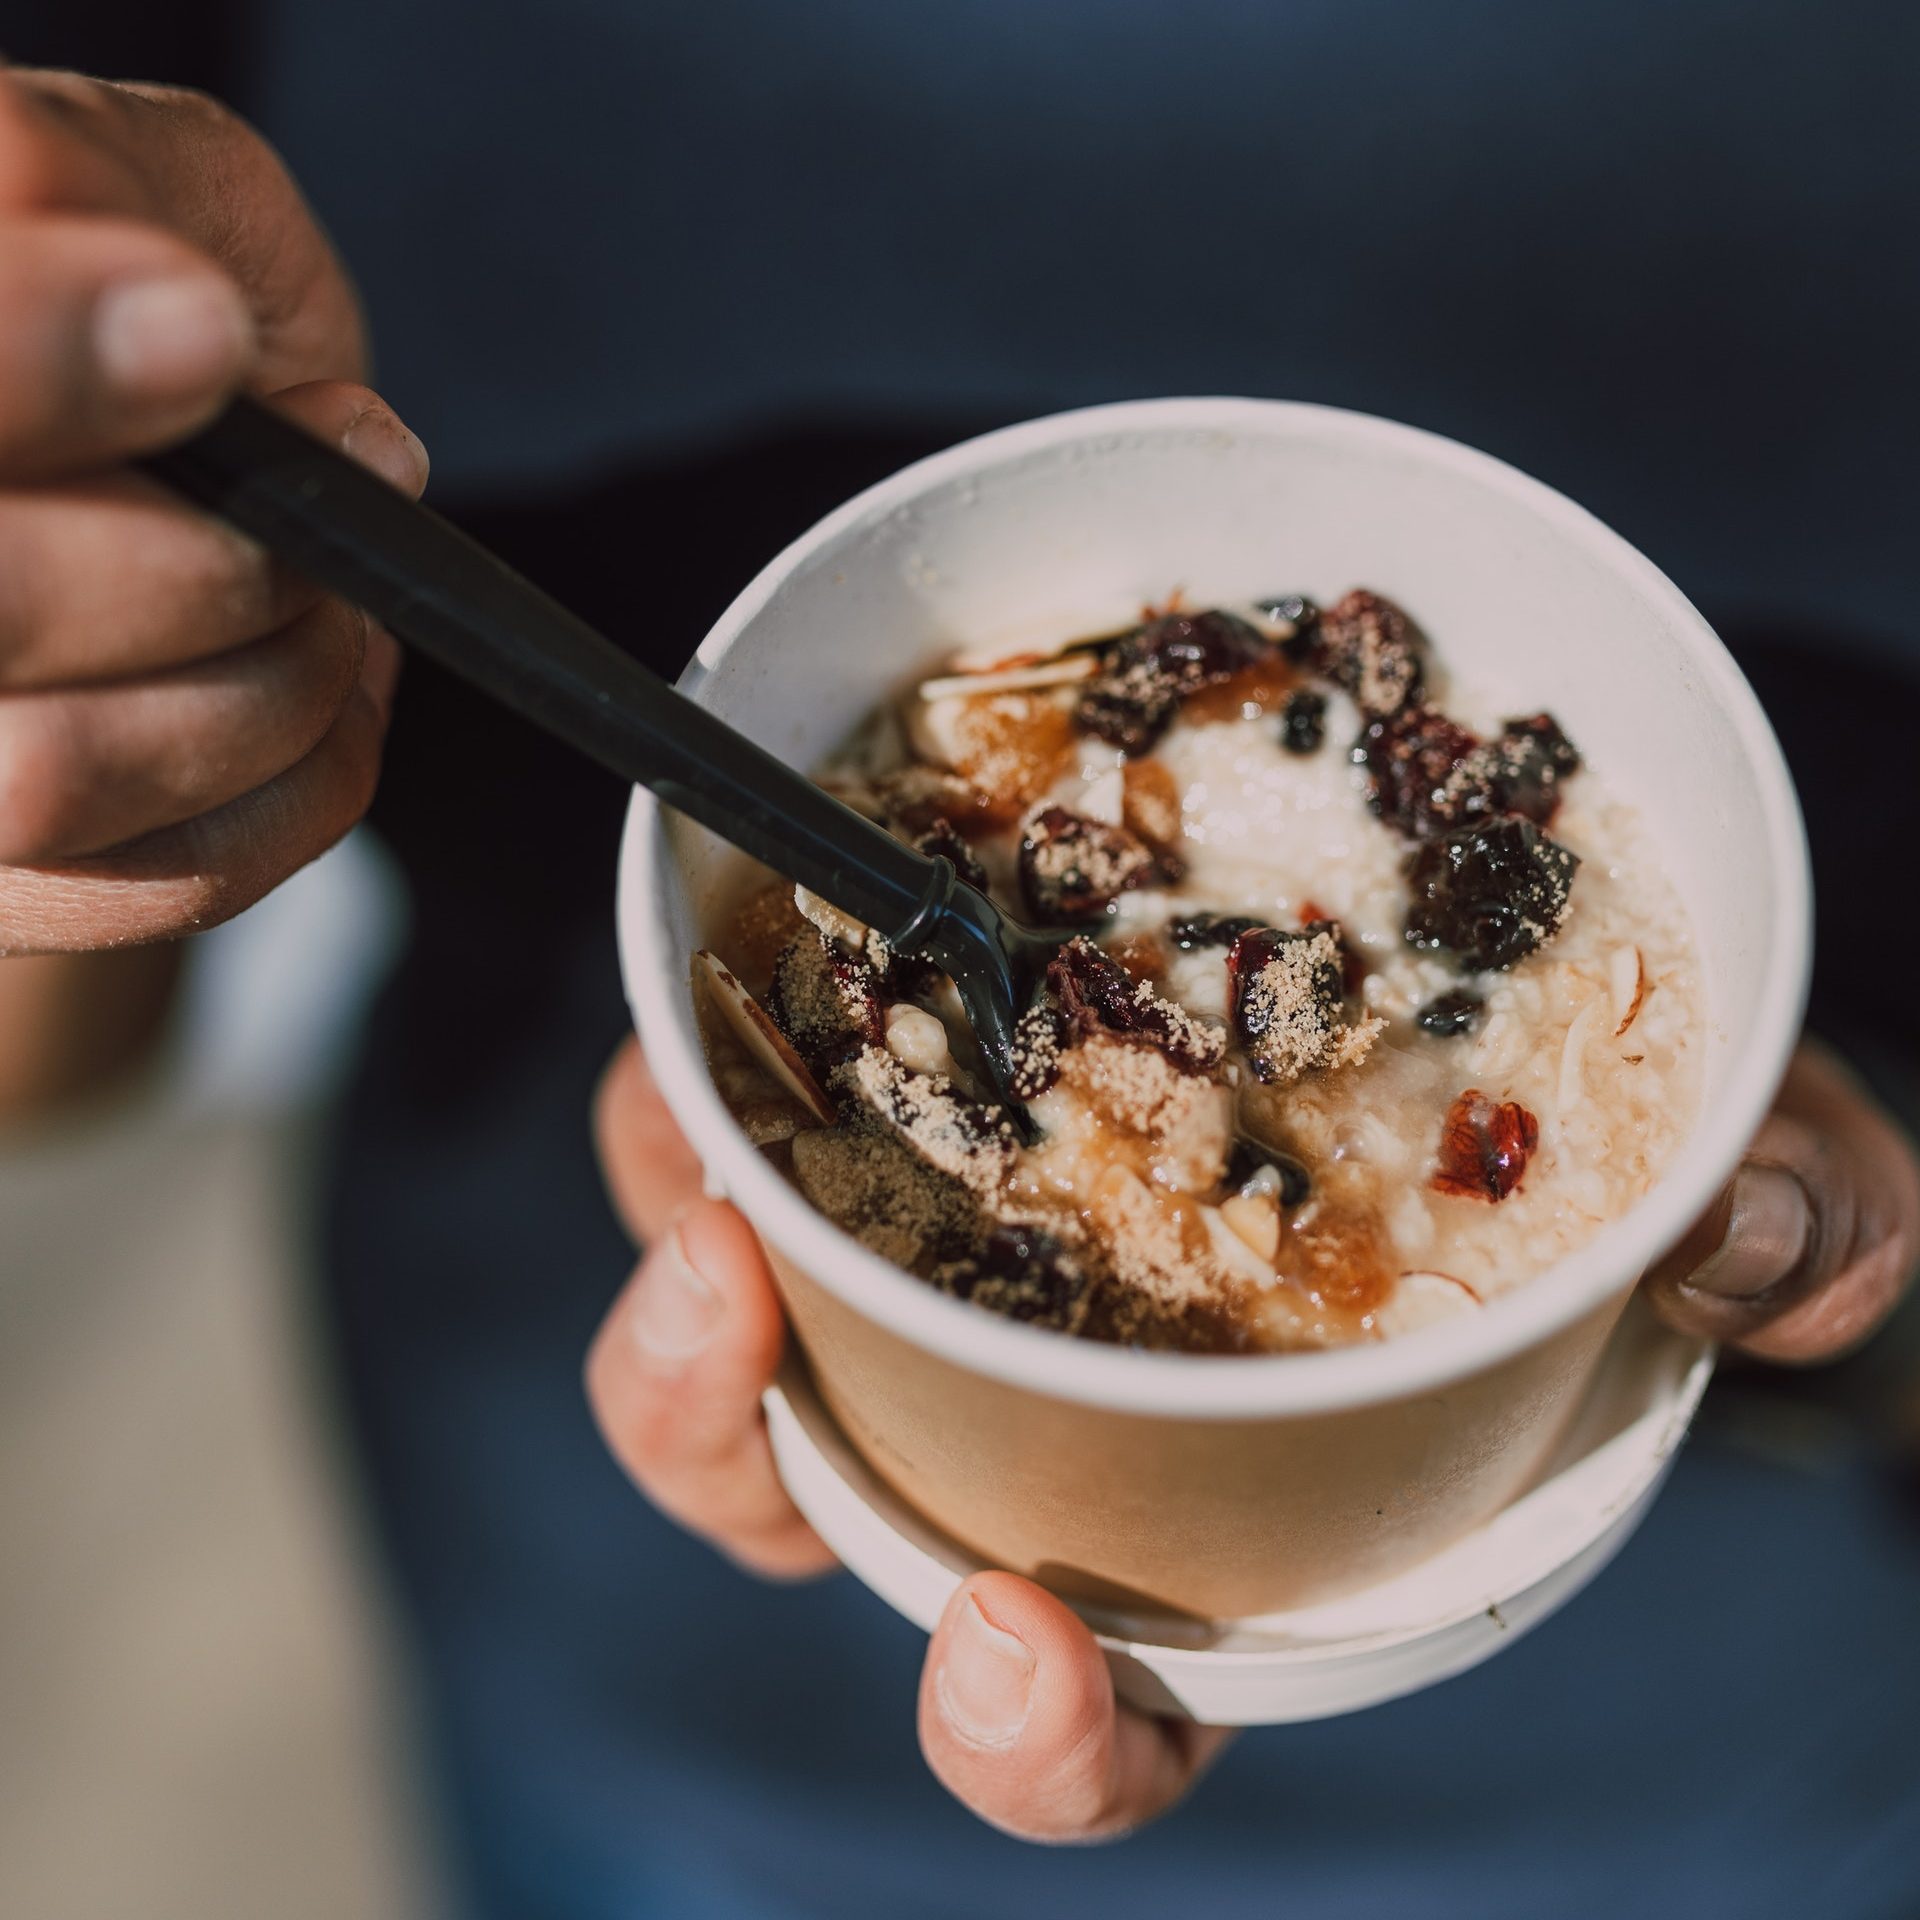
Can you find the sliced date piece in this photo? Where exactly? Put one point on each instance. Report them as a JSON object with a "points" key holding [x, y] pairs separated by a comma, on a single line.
{"points": [[960, 1137], [1072, 868], [1131, 702], [826, 1001], [1198, 930], [1095, 994], [1484, 1147], [1489, 893], [1288, 995], [1414, 760], [1369, 648], [943, 837]]}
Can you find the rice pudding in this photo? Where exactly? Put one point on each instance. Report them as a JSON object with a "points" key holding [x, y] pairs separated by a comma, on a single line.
{"points": [[1379, 1001]]}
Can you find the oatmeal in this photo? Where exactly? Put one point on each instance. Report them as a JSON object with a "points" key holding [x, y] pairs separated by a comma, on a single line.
{"points": [[1375, 1001]]}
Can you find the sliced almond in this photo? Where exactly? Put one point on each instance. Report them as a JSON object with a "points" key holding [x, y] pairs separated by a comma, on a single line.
{"points": [[757, 1033], [1573, 1057], [1422, 1299], [1042, 673], [1233, 1253], [1627, 984], [1105, 798], [836, 925], [1255, 1217], [1000, 656]]}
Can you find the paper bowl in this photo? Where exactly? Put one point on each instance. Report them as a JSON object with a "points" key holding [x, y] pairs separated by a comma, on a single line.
{"points": [[1230, 1486]]}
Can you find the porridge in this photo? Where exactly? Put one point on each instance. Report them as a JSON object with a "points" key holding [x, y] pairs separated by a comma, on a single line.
{"points": [[1377, 1002]]}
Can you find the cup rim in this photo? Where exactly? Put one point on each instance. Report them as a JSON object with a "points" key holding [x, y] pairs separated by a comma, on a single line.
{"points": [[1241, 1386]]}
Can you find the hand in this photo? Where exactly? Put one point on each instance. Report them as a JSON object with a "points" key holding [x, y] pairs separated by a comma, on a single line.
{"points": [[183, 722], [1814, 1241], [1017, 1712]]}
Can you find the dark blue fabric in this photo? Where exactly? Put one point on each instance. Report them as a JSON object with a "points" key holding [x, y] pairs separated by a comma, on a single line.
{"points": [[1661, 255], [1725, 1725]]}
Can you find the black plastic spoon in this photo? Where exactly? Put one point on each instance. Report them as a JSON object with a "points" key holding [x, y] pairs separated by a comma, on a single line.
{"points": [[432, 587]]}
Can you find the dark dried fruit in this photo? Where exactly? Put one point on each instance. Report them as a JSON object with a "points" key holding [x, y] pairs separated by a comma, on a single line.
{"points": [[1210, 929], [1448, 1014], [1413, 761], [1367, 646], [944, 837], [1038, 1036], [1025, 1273], [1353, 967], [1484, 1147], [1303, 721], [1247, 1161], [1302, 615], [1489, 893], [1072, 868], [1526, 765], [826, 1001], [1287, 994], [1131, 701], [954, 1134], [1096, 995]]}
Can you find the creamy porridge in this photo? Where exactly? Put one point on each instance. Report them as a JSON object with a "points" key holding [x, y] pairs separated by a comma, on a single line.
{"points": [[1382, 1003]]}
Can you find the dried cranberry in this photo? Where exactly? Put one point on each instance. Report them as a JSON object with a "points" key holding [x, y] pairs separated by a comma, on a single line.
{"points": [[1131, 701], [1484, 1147], [1095, 994], [1367, 646], [1489, 893], [1247, 1161], [943, 837], [1286, 991], [1412, 762], [1448, 1014], [1353, 967], [1210, 930], [826, 1001], [1303, 721], [1072, 868]]}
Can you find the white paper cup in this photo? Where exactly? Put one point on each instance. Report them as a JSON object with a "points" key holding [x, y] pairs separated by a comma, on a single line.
{"points": [[1229, 1486]]}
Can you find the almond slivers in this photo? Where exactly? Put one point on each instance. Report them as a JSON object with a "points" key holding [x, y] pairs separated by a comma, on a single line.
{"points": [[769, 1047]]}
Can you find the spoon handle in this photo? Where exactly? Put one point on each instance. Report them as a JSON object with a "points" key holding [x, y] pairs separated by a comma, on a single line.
{"points": [[428, 584]]}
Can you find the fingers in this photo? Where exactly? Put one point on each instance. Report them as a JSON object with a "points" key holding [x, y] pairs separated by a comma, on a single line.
{"points": [[180, 159], [1816, 1238], [114, 339], [1019, 1722], [190, 877], [90, 769], [110, 576], [675, 1376], [650, 1171]]}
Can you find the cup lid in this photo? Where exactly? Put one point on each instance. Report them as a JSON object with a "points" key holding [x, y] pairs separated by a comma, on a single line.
{"points": [[1440, 1618]]}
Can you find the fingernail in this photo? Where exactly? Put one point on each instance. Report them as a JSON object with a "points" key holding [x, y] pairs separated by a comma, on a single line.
{"points": [[675, 1312], [380, 439], [1766, 1236], [985, 1682], [162, 339]]}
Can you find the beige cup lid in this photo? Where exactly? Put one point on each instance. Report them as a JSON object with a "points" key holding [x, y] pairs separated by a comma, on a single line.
{"points": [[1423, 1626]]}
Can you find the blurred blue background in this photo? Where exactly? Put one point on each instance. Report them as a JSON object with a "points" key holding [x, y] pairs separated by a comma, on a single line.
{"points": [[658, 284]]}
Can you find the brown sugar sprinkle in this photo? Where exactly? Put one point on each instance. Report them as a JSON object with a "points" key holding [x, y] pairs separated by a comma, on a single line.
{"points": [[957, 1136], [760, 929], [1010, 747], [915, 797], [1139, 1091], [1072, 868], [1289, 1004], [826, 1001], [884, 1194]]}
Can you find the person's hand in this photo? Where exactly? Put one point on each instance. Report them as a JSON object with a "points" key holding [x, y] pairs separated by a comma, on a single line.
{"points": [[1017, 1712], [1815, 1239], [182, 722]]}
